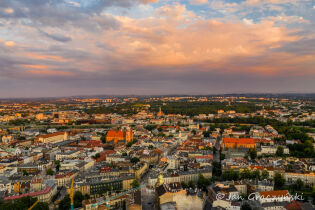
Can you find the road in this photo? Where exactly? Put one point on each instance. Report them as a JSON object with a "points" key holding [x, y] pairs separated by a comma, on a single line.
{"points": [[147, 194], [147, 198]]}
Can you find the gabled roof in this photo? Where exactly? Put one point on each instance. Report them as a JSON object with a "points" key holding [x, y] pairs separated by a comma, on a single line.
{"points": [[51, 135], [294, 205], [239, 141], [274, 194], [115, 134]]}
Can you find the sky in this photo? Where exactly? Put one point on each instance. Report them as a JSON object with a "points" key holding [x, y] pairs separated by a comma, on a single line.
{"points": [[54, 48]]}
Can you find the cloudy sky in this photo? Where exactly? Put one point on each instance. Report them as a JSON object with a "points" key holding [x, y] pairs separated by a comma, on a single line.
{"points": [[79, 47]]}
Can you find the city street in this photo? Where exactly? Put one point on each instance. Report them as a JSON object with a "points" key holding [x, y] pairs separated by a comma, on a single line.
{"points": [[147, 198]]}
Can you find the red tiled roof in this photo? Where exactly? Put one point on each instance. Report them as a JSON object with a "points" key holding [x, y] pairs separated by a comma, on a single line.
{"points": [[51, 135], [59, 176], [257, 167], [239, 141], [274, 194], [31, 194], [294, 205], [106, 169], [157, 151], [204, 157], [36, 181], [115, 134], [262, 141]]}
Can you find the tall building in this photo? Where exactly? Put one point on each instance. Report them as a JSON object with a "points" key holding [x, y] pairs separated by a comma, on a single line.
{"points": [[117, 137], [160, 113]]}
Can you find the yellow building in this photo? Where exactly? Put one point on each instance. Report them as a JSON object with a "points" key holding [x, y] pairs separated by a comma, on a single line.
{"points": [[165, 193], [141, 170], [52, 138], [84, 189]]}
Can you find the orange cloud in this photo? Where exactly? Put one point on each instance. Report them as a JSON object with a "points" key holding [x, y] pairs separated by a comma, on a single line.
{"points": [[8, 43], [36, 66], [47, 57], [161, 42], [177, 39], [43, 70], [8, 10]]}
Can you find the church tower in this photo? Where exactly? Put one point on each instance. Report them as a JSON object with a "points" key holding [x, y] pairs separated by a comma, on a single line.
{"points": [[160, 113]]}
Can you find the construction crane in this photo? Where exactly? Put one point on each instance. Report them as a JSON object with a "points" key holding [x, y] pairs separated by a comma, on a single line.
{"points": [[71, 194], [34, 204]]}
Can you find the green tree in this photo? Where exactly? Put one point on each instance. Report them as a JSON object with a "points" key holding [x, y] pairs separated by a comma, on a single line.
{"points": [[298, 185], [246, 174], [57, 167], [65, 203], [150, 127], [77, 199], [184, 185], [135, 184], [25, 173], [57, 163], [216, 170], [252, 153], [264, 174], [97, 155], [50, 172], [222, 156], [246, 206], [103, 139], [313, 195], [191, 184], [207, 148], [256, 174], [134, 160], [290, 166], [230, 175], [206, 134], [203, 182], [279, 181], [41, 206], [86, 196], [280, 151], [23, 203]]}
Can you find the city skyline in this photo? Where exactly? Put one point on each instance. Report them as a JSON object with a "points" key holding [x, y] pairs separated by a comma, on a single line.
{"points": [[155, 47]]}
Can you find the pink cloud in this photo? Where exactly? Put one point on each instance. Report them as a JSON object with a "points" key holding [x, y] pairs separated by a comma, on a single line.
{"points": [[35, 66], [46, 57], [160, 42], [174, 38]]}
